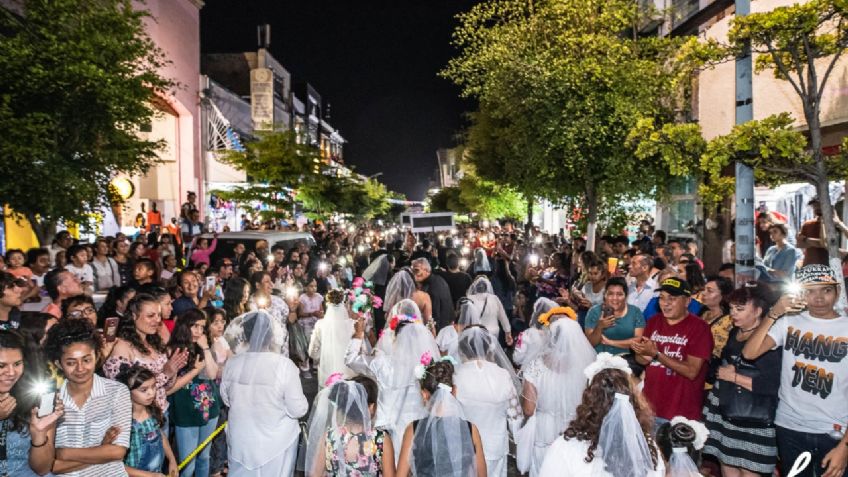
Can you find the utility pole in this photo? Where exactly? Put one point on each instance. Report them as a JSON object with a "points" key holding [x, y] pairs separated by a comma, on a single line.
{"points": [[744, 238]]}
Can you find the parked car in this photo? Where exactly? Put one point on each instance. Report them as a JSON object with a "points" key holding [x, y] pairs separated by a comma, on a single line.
{"points": [[228, 240]]}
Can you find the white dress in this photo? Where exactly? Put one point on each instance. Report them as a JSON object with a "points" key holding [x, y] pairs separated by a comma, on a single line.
{"points": [[552, 417], [492, 313], [329, 342], [266, 399], [568, 457], [448, 342], [488, 397]]}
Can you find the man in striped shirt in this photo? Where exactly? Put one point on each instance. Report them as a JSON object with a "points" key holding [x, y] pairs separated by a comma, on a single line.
{"points": [[94, 434]]}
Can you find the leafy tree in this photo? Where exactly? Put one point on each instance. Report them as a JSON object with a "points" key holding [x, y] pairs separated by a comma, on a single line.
{"points": [[77, 82], [447, 200], [802, 44], [489, 199], [560, 85], [278, 167]]}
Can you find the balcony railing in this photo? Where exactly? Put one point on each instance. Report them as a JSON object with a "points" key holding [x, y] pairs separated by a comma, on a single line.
{"points": [[682, 10]]}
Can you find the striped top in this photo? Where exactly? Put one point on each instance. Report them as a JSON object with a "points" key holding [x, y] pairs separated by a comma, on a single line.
{"points": [[108, 405]]}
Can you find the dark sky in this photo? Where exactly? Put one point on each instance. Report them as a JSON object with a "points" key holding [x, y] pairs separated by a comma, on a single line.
{"points": [[374, 61]]}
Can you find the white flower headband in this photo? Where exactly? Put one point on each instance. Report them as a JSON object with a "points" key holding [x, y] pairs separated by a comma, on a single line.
{"points": [[606, 361], [701, 432]]}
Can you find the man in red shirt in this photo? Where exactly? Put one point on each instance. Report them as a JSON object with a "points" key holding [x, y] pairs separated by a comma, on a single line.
{"points": [[675, 348], [809, 238]]}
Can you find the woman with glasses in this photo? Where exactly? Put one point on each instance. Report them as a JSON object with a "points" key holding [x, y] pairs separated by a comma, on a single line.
{"points": [[79, 307]]}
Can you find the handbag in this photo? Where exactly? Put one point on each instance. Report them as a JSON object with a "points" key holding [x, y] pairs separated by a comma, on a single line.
{"points": [[740, 406]]}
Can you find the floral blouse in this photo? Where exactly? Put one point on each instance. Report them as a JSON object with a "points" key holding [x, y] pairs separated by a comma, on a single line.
{"points": [[363, 453], [112, 367]]}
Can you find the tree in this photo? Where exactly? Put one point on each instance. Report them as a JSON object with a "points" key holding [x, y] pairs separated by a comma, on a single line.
{"points": [[560, 85], [490, 200], [802, 44], [78, 80], [447, 200], [278, 167]]}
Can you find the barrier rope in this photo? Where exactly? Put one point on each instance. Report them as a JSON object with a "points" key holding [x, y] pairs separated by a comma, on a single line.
{"points": [[201, 446]]}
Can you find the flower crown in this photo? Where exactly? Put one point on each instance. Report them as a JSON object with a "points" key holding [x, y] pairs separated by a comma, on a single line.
{"points": [[395, 320], [427, 360], [333, 379], [701, 432], [545, 318], [606, 361]]}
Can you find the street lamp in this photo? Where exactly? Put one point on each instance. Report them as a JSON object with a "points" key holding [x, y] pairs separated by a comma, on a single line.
{"points": [[372, 176]]}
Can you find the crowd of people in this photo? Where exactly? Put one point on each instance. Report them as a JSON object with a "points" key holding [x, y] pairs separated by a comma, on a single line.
{"points": [[467, 352]]}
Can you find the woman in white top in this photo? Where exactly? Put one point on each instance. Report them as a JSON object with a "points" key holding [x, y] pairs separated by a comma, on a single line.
{"points": [[487, 388], [554, 383], [392, 365], [106, 269], [611, 434], [262, 388], [492, 311], [330, 339]]}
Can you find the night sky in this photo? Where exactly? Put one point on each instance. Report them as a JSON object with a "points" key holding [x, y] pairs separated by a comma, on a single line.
{"points": [[374, 61]]}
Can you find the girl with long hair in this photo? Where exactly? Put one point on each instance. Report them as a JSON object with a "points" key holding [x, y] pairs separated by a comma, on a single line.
{"points": [[610, 434], [139, 342], [28, 440], [149, 446], [196, 405]]}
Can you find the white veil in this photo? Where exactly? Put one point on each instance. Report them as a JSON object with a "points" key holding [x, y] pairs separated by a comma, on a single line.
{"points": [[542, 306], [404, 347], [336, 329], [255, 332], [481, 261], [561, 387], [339, 416], [468, 313], [529, 345], [378, 271], [480, 285], [442, 443], [476, 342], [681, 464], [623, 446], [400, 287]]}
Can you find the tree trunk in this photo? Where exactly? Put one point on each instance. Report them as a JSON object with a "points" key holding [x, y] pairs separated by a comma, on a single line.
{"points": [[592, 217], [831, 236], [44, 230], [528, 226]]}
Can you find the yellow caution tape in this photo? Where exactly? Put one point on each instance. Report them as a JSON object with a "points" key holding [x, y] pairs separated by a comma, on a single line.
{"points": [[201, 446]]}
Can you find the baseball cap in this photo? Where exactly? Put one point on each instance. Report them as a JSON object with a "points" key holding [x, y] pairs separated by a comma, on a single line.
{"points": [[815, 274], [676, 287]]}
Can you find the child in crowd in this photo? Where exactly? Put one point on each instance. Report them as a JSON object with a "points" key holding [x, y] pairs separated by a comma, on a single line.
{"points": [[15, 260], [149, 447], [310, 308]]}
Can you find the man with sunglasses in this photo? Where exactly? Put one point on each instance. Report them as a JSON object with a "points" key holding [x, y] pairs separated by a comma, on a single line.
{"points": [[12, 289], [812, 413]]}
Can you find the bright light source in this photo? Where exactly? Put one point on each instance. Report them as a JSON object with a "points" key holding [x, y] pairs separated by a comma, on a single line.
{"points": [[351, 229], [463, 263], [270, 257], [537, 240], [291, 292], [342, 261], [466, 250], [534, 259], [41, 388], [794, 289], [360, 248], [262, 301], [441, 238], [323, 267]]}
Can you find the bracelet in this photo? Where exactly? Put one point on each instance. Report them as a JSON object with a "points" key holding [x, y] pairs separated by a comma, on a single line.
{"points": [[46, 440]]}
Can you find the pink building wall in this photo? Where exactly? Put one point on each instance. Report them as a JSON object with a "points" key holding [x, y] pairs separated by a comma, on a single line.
{"points": [[175, 27]]}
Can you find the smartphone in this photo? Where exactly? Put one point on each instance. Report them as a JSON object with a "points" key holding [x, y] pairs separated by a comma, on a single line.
{"points": [[110, 329], [210, 283], [45, 405], [607, 310]]}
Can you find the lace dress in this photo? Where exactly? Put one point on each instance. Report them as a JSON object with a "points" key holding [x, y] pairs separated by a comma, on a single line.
{"points": [[155, 363], [363, 453]]}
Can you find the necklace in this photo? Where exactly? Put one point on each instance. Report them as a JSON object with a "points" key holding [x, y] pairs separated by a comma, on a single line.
{"points": [[742, 330]]}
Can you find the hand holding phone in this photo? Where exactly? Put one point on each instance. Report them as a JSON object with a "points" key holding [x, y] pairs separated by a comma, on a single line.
{"points": [[110, 329], [210, 283], [45, 404]]}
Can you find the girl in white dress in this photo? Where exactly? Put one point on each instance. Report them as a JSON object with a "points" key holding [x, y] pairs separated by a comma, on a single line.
{"points": [[330, 339], [553, 386], [448, 337], [611, 434], [492, 313], [262, 388], [487, 388], [392, 365]]}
